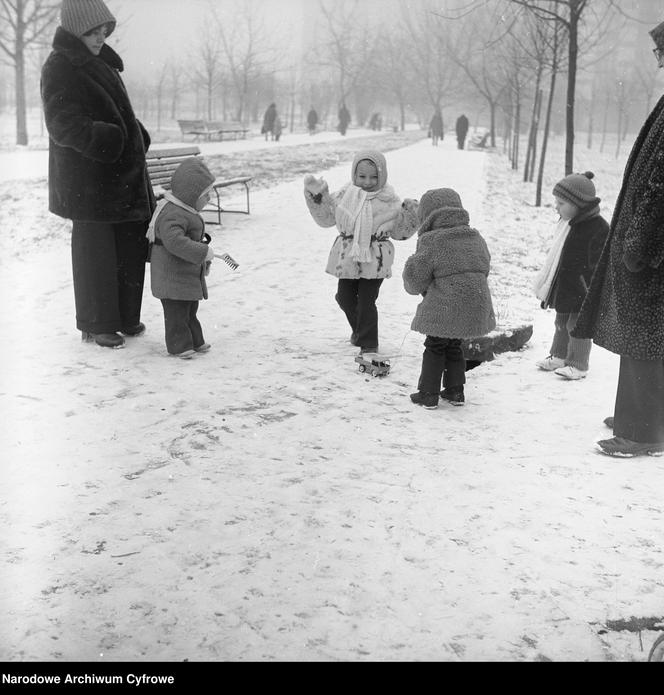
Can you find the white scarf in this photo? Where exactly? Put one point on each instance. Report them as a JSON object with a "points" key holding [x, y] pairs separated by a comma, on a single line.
{"points": [[354, 216], [544, 279], [168, 198]]}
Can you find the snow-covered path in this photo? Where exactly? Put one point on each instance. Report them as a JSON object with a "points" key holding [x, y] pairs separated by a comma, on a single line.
{"points": [[267, 502]]}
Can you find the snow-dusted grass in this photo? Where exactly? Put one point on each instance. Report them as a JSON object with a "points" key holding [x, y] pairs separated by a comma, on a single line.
{"points": [[267, 502]]}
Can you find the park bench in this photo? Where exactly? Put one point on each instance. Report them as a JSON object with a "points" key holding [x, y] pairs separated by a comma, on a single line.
{"points": [[163, 162], [217, 129], [197, 128], [213, 130]]}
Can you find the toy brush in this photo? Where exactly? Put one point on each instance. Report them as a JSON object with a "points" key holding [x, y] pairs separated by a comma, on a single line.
{"points": [[228, 260]]}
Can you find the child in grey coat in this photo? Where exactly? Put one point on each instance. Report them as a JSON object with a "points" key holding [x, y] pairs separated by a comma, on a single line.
{"points": [[449, 268]]}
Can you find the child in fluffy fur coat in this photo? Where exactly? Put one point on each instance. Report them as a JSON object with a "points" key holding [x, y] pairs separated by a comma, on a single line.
{"points": [[450, 268], [367, 213], [181, 256]]}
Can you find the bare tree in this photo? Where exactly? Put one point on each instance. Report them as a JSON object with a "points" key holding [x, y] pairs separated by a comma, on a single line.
{"points": [[23, 24], [567, 13], [248, 48], [207, 70]]}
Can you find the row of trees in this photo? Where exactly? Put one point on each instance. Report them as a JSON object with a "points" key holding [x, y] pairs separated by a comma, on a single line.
{"points": [[511, 63]]}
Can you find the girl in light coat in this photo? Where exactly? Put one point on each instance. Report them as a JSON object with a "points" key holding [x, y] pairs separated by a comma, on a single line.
{"points": [[367, 213]]}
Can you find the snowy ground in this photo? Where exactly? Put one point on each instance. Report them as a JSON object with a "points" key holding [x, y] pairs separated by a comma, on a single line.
{"points": [[267, 502]]}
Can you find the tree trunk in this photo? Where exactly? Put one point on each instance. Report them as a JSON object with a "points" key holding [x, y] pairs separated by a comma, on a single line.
{"points": [[492, 110], [591, 117], [571, 85], [531, 174], [531, 131], [545, 137], [604, 123], [19, 76]]}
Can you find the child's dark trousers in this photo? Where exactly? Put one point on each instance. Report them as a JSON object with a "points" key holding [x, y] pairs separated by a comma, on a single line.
{"points": [[183, 330], [443, 360], [357, 298]]}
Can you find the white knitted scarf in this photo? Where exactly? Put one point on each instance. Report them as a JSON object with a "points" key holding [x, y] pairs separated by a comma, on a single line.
{"points": [[354, 217], [168, 198], [544, 279]]}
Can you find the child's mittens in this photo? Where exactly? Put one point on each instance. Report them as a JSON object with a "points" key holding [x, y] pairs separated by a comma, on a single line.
{"points": [[411, 205], [315, 188], [208, 259]]}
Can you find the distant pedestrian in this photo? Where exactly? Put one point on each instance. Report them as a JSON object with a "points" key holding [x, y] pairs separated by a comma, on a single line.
{"points": [[269, 118], [181, 256], [312, 120], [564, 279], [277, 128], [449, 268], [461, 130], [97, 173], [367, 213], [624, 309], [344, 118], [436, 132]]}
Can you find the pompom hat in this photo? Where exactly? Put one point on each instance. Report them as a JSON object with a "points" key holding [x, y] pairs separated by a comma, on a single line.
{"points": [[657, 35], [78, 17], [577, 189], [190, 180]]}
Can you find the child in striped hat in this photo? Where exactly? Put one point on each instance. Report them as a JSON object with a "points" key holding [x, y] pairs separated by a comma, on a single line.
{"points": [[564, 279]]}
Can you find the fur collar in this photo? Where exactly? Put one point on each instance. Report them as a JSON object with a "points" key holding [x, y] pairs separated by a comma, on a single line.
{"points": [[77, 53]]}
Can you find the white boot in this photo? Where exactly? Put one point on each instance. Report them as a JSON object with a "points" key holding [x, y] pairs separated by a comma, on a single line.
{"points": [[550, 364], [570, 372]]}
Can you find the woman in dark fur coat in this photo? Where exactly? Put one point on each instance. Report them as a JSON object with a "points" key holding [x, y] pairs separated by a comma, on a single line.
{"points": [[624, 309], [97, 172]]}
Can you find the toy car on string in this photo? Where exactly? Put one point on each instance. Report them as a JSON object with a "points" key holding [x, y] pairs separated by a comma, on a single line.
{"points": [[373, 365]]}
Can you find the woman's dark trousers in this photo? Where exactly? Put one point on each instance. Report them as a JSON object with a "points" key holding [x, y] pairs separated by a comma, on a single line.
{"points": [[639, 410], [183, 330], [443, 360], [108, 262], [357, 298]]}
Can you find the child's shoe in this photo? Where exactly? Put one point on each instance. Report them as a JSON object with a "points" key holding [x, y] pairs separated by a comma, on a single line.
{"points": [[571, 373], [426, 400], [454, 395], [550, 364], [205, 347]]}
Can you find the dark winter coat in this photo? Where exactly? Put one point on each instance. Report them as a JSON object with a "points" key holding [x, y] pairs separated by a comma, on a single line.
{"points": [[461, 127], [97, 169], [578, 258], [450, 267], [269, 118], [312, 119], [436, 125], [624, 311]]}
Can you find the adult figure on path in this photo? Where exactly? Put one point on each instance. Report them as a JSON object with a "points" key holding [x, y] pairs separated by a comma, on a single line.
{"points": [[312, 120], [269, 118], [624, 309], [436, 127], [461, 130], [97, 172], [344, 118]]}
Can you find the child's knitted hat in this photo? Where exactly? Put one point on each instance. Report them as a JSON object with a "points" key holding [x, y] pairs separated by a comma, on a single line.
{"points": [[577, 189], [658, 35], [191, 179], [438, 198], [79, 16], [378, 160]]}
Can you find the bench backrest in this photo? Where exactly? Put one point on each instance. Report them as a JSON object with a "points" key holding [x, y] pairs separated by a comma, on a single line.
{"points": [[226, 125], [163, 162], [191, 125]]}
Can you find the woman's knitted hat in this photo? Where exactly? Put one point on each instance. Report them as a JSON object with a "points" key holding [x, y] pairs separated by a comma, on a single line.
{"points": [[438, 198], [577, 189], [658, 35], [378, 160], [190, 180], [79, 16]]}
